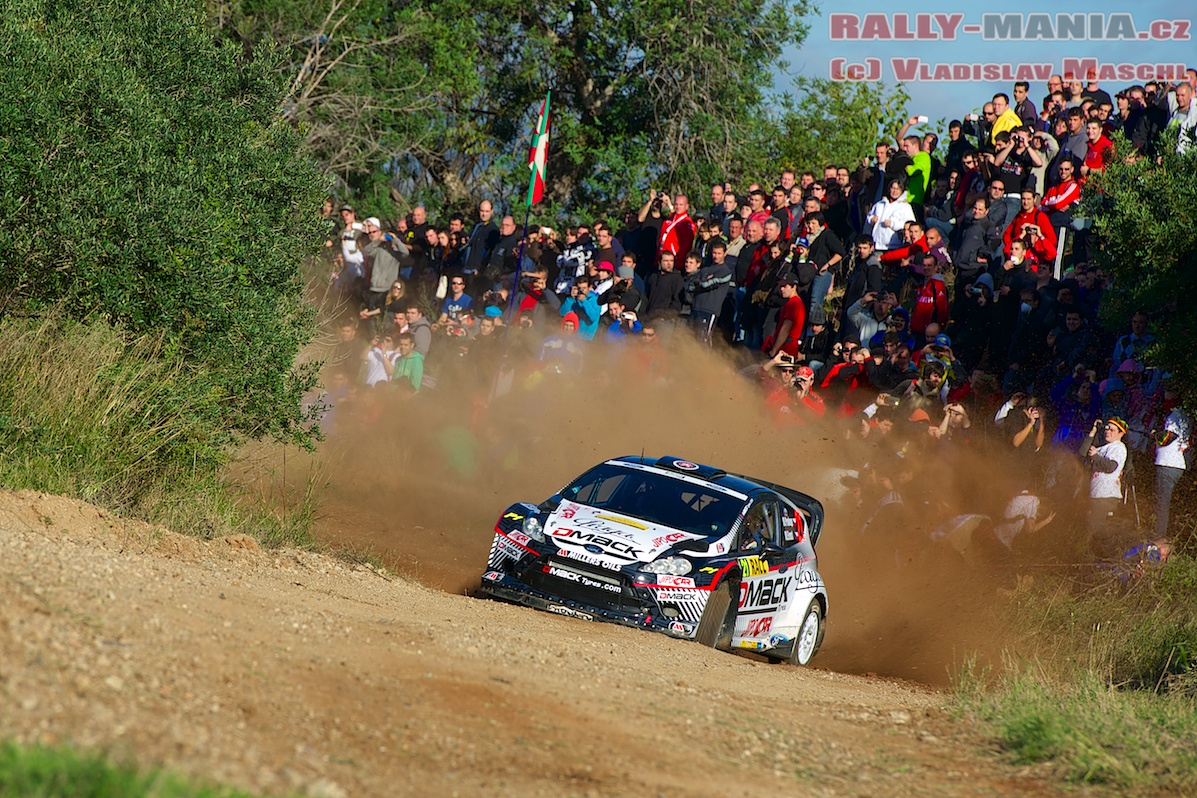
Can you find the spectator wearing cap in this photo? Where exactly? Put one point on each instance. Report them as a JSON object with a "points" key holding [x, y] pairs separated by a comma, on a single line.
{"points": [[776, 377], [815, 350], [631, 298], [802, 403], [602, 278], [869, 314], [791, 320], [583, 303], [1106, 464]]}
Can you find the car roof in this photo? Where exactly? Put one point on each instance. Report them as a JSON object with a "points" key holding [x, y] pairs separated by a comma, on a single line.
{"points": [[717, 476]]}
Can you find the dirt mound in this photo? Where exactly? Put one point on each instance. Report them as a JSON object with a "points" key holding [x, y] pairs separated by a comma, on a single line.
{"points": [[290, 671]]}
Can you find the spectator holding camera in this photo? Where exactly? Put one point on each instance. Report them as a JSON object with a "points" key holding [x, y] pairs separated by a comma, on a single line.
{"points": [[584, 304], [1034, 227], [620, 324]]}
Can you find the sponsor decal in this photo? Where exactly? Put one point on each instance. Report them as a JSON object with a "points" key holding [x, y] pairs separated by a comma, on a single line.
{"points": [[570, 612], [569, 511], [758, 626], [624, 521], [808, 578], [753, 566], [685, 465], [520, 538], [581, 579], [679, 628], [492, 576], [512, 517], [618, 548], [765, 594], [670, 539], [594, 525], [755, 645], [719, 547], [510, 549], [593, 549], [708, 569], [776, 641], [587, 558], [667, 580]]}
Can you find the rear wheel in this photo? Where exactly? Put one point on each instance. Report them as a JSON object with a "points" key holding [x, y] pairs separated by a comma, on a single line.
{"points": [[810, 635], [715, 625]]}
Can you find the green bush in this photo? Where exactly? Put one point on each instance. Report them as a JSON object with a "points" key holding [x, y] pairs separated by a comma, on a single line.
{"points": [[146, 178], [94, 413], [27, 771], [1090, 731]]}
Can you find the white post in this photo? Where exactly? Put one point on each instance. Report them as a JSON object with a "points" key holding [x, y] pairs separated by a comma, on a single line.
{"points": [[1060, 251]]}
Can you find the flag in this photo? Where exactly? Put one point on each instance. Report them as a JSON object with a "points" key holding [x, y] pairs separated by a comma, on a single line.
{"points": [[539, 154]]}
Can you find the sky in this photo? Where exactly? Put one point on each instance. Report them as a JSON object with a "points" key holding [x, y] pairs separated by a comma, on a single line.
{"points": [[1122, 38]]}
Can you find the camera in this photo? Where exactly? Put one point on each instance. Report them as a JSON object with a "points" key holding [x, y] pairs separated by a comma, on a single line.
{"points": [[627, 316]]}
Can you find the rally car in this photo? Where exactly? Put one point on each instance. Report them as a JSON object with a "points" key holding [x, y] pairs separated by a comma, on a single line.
{"points": [[671, 546]]}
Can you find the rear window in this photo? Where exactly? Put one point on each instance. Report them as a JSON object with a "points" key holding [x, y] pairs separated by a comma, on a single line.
{"points": [[655, 497]]}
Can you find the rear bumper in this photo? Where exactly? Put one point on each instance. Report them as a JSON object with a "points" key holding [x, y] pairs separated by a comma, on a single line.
{"points": [[508, 588]]}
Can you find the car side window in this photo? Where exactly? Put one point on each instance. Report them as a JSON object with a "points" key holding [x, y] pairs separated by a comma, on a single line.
{"points": [[754, 530], [774, 531]]}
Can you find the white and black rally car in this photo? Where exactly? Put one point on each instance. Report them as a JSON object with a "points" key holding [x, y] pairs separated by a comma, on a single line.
{"points": [[672, 546]]}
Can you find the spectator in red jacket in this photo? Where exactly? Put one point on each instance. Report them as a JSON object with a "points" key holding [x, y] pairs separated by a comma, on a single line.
{"points": [[1101, 149], [931, 302], [791, 320], [1059, 199], [1034, 227], [677, 234]]}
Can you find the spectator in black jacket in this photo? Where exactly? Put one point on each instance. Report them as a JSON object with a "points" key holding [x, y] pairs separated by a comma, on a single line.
{"points": [[664, 292]]}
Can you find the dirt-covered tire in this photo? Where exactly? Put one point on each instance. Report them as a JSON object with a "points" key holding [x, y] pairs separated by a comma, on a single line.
{"points": [[810, 635], [715, 625]]}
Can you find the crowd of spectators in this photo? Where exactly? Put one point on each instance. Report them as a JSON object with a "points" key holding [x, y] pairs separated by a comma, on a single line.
{"points": [[934, 298]]}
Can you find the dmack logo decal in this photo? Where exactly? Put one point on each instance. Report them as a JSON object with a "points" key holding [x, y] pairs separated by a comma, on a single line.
{"points": [[622, 548], [765, 593]]}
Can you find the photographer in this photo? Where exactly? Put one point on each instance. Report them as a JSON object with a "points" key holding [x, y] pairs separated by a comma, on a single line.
{"points": [[620, 323], [1015, 160], [533, 300], [1034, 227]]}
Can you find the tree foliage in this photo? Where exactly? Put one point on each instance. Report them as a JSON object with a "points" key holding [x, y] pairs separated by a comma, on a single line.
{"points": [[1144, 215], [435, 97], [146, 177], [837, 122]]}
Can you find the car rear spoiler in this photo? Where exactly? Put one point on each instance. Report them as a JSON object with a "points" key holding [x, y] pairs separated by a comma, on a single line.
{"points": [[808, 503]]}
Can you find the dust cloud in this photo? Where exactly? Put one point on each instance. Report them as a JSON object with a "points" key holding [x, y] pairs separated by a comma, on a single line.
{"points": [[420, 482]]}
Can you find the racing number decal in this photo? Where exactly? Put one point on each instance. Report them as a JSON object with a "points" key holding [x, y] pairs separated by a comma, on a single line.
{"points": [[753, 566]]}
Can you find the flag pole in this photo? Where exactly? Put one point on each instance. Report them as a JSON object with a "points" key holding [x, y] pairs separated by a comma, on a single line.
{"points": [[539, 144]]}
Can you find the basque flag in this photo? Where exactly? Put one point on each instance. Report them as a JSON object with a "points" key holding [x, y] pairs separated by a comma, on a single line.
{"points": [[539, 154]]}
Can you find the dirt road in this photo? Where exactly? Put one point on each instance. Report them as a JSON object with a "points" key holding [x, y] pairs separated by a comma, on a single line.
{"points": [[290, 671]]}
